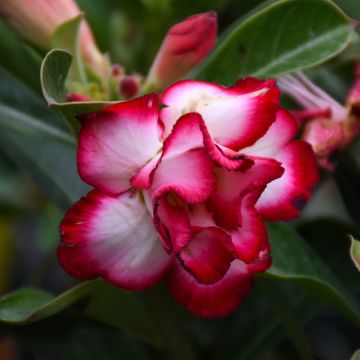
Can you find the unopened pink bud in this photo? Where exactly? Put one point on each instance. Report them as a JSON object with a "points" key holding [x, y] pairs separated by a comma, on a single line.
{"points": [[326, 138], [117, 70], [36, 21], [74, 96], [186, 45], [128, 86]]}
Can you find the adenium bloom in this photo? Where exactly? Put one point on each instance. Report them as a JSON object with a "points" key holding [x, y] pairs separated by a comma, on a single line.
{"points": [[330, 127], [36, 20], [181, 193], [186, 45]]}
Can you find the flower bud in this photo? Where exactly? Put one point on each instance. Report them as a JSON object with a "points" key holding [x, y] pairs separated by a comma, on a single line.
{"points": [[129, 86], [326, 138], [186, 45], [36, 21], [117, 71]]}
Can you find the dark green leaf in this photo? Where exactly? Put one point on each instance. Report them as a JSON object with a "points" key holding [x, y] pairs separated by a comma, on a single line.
{"points": [[351, 7], [100, 301], [294, 260], [23, 111], [277, 40], [329, 237], [71, 336], [51, 165], [19, 59], [288, 320]]}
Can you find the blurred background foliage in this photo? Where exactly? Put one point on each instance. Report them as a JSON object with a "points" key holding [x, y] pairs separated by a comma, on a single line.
{"points": [[279, 320]]}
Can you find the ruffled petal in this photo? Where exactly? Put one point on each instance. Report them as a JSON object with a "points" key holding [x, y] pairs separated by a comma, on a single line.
{"points": [[284, 198], [250, 239], [143, 179], [235, 117], [215, 300], [172, 223], [208, 255], [231, 186], [112, 237], [115, 143], [185, 167], [280, 133]]}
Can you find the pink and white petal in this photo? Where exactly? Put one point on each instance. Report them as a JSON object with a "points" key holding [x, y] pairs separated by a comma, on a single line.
{"points": [[200, 216], [208, 255], [171, 221], [112, 237], [115, 143], [251, 238], [284, 198], [192, 127], [263, 262], [231, 186], [143, 179], [215, 300], [235, 117], [280, 133], [185, 167]]}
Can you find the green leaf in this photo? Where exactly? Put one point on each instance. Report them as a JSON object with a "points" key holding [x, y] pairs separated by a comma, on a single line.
{"points": [[351, 7], [19, 59], [356, 355], [355, 252], [54, 71], [84, 338], [17, 119], [51, 165], [21, 110], [329, 237], [53, 74], [277, 40], [66, 37], [294, 260], [288, 320], [100, 301], [49, 155]]}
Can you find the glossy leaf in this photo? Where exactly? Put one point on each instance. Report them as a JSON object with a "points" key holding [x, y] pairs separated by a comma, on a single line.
{"points": [[101, 301], [355, 252], [54, 71], [277, 40], [294, 260]]}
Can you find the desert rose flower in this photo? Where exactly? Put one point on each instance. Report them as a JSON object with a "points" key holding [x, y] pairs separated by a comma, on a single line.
{"points": [[328, 126], [36, 21], [186, 45], [181, 193]]}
